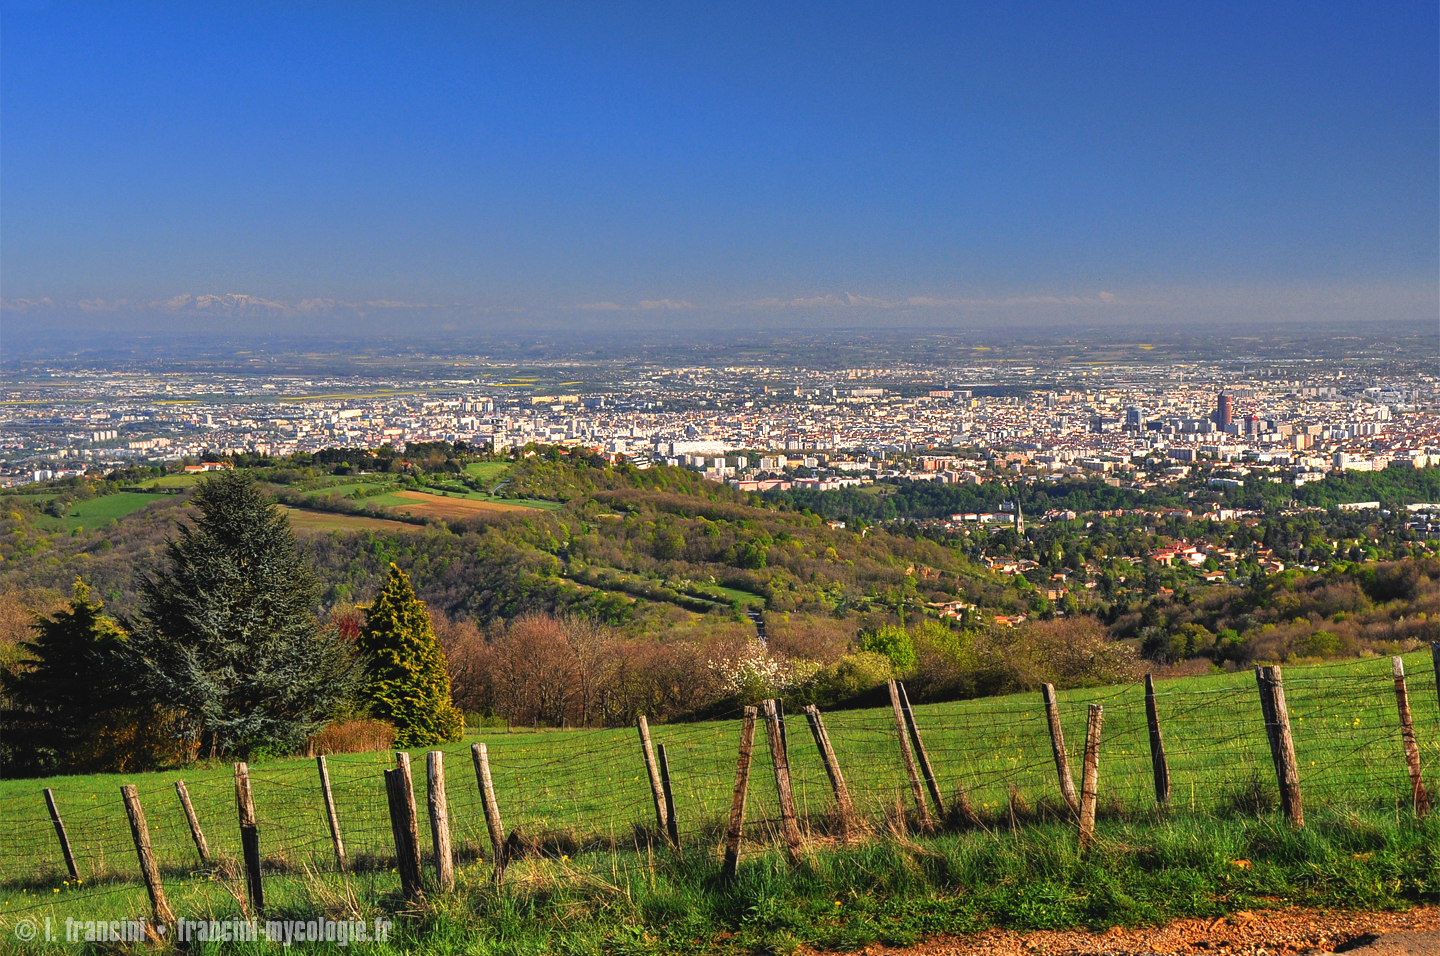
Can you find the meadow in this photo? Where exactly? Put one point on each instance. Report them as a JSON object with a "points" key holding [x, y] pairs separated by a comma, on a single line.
{"points": [[488, 471], [171, 481], [96, 512], [581, 801]]}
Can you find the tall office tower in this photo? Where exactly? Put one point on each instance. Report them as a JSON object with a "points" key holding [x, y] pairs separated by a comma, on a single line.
{"points": [[1134, 417], [1224, 410]]}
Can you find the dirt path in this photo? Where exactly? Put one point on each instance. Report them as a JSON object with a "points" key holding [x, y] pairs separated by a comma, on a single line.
{"points": [[1314, 932]]}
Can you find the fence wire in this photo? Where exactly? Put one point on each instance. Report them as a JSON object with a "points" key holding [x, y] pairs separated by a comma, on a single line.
{"points": [[582, 799]]}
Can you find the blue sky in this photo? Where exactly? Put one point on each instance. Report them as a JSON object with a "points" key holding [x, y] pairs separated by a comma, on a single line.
{"points": [[668, 162]]}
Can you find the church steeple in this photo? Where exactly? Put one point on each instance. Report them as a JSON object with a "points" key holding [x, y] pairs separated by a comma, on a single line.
{"points": [[1019, 518]]}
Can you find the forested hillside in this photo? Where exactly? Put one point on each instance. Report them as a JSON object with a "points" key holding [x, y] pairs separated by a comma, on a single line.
{"points": [[653, 581]]}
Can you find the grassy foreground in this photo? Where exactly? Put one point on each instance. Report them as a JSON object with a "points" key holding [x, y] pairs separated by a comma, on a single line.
{"points": [[593, 879], [892, 889]]}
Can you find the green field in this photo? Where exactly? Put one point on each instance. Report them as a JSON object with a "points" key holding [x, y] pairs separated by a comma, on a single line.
{"points": [[488, 471], [341, 489], [590, 785], [732, 594], [582, 799], [96, 512], [171, 481]]}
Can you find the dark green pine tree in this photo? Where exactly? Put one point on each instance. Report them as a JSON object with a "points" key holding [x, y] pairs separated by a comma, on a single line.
{"points": [[405, 678], [70, 695], [227, 631]]}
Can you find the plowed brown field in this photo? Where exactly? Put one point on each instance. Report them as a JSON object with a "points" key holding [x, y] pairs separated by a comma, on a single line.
{"points": [[434, 506]]}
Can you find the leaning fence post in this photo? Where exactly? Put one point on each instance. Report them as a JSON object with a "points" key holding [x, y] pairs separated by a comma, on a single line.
{"points": [[330, 815], [737, 800], [1282, 746], [1420, 799], [410, 816], [672, 826], [60, 832], [1057, 747], [832, 770], [922, 811], [196, 833], [439, 819], [481, 758], [249, 837], [657, 792], [399, 796], [1090, 776], [789, 826], [931, 783], [1158, 764], [149, 869]]}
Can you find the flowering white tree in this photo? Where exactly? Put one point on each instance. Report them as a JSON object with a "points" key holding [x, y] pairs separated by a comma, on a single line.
{"points": [[756, 674]]}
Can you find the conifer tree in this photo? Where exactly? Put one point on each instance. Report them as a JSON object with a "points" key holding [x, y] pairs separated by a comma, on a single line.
{"points": [[227, 632], [406, 682], [73, 706]]}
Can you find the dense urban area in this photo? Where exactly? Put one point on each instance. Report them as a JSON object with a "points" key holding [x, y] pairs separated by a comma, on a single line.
{"points": [[763, 427]]}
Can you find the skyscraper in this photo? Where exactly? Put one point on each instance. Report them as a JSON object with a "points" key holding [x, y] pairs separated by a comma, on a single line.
{"points": [[1224, 410]]}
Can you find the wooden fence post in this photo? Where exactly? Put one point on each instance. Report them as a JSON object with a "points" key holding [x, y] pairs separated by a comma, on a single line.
{"points": [[1158, 764], [330, 815], [481, 758], [672, 825], [439, 819], [1057, 746], [784, 737], [931, 783], [149, 869], [1282, 746], [249, 838], [922, 811], [1419, 798], [789, 826], [411, 816], [1435, 660], [737, 801], [60, 832], [1090, 776], [403, 828], [848, 822], [657, 792], [196, 833]]}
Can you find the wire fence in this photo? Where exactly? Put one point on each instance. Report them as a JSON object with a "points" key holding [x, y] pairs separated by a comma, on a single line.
{"points": [[583, 799]]}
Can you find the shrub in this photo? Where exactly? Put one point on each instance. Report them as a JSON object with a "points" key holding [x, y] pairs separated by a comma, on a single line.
{"points": [[753, 674], [892, 641], [355, 736], [850, 676], [1068, 652]]}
